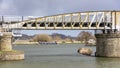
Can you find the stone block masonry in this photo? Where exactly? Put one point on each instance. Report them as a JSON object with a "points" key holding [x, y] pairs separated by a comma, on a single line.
{"points": [[108, 45], [5, 42], [6, 52]]}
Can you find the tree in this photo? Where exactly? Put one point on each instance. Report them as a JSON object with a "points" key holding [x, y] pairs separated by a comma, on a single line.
{"points": [[41, 38], [85, 36]]}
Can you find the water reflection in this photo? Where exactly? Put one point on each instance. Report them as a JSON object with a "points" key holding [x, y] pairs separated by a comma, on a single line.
{"points": [[108, 62]]}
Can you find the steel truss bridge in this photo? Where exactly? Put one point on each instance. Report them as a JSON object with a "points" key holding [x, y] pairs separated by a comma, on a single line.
{"points": [[90, 20]]}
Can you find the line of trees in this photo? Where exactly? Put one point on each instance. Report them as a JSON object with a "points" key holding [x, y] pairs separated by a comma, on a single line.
{"points": [[82, 36]]}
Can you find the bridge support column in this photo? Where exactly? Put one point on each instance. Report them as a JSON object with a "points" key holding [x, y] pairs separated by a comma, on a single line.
{"points": [[5, 42], [6, 52], [108, 45]]}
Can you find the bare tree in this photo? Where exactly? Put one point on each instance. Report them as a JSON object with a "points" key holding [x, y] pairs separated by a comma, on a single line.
{"points": [[42, 38], [85, 36]]}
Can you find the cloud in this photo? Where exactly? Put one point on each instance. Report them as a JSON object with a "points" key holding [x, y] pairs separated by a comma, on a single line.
{"points": [[1, 1], [7, 7], [84, 5], [31, 7], [52, 7]]}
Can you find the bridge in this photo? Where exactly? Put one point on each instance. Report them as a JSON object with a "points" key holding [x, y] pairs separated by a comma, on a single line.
{"points": [[107, 44], [91, 20]]}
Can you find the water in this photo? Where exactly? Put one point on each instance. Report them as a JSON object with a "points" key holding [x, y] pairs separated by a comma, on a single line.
{"points": [[58, 56]]}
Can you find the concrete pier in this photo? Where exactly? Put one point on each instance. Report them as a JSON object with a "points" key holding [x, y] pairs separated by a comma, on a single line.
{"points": [[108, 45], [6, 52]]}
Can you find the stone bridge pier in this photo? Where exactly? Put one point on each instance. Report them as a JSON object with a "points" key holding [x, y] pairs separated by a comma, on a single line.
{"points": [[108, 45], [6, 51]]}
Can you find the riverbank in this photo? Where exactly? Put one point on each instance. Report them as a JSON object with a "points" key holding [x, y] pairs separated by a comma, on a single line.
{"points": [[36, 43], [27, 42], [23, 42]]}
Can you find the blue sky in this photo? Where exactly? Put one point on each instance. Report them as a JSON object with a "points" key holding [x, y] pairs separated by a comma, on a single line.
{"points": [[52, 7]]}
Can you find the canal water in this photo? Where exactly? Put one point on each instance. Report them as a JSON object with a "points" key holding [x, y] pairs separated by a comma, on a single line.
{"points": [[58, 56]]}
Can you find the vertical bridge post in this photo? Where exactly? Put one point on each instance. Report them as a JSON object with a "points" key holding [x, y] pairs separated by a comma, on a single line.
{"points": [[5, 42]]}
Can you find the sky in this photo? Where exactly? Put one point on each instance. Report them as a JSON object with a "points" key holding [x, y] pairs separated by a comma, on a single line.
{"points": [[53, 7]]}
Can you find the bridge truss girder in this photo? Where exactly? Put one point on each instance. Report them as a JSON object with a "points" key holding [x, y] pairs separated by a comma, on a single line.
{"points": [[78, 20]]}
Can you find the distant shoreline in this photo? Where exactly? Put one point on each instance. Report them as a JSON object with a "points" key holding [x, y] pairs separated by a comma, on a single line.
{"points": [[36, 43]]}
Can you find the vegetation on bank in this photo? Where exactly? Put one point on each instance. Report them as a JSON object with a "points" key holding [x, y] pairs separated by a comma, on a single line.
{"points": [[41, 38], [83, 37]]}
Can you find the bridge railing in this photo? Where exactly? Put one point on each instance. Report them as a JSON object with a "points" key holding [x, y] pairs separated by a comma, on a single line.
{"points": [[16, 18]]}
